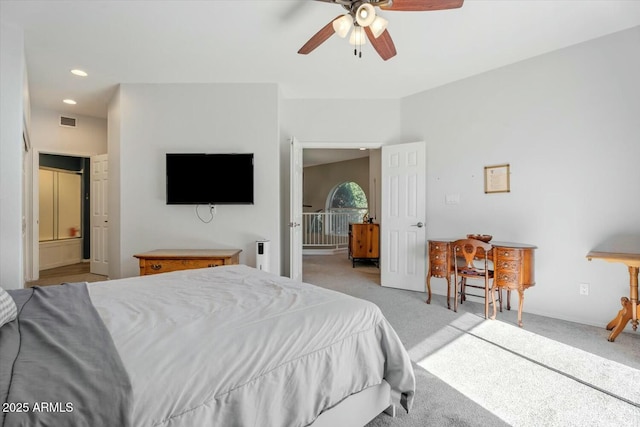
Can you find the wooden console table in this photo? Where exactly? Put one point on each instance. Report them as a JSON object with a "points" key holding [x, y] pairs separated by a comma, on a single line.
{"points": [[165, 260], [625, 250], [513, 268]]}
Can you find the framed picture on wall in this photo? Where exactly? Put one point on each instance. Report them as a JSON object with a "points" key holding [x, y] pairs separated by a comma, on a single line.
{"points": [[496, 179]]}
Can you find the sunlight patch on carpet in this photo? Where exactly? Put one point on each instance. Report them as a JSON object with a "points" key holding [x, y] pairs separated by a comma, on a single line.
{"points": [[529, 380]]}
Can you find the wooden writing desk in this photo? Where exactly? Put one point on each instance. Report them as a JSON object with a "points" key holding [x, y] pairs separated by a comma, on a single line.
{"points": [[513, 268], [626, 250]]}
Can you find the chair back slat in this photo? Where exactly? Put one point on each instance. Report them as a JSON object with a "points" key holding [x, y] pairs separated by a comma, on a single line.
{"points": [[468, 248]]}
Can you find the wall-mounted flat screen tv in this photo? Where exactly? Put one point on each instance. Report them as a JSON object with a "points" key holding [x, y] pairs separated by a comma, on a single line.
{"points": [[200, 179]]}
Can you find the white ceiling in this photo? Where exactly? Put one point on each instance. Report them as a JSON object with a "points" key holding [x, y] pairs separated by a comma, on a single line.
{"points": [[256, 41]]}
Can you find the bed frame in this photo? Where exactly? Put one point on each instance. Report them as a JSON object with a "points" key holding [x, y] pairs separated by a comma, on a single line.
{"points": [[358, 409]]}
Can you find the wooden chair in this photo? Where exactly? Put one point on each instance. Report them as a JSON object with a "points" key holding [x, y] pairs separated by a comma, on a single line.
{"points": [[471, 250]]}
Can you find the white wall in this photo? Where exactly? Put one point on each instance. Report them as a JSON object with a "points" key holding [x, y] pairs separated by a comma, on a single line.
{"points": [[151, 120], [568, 124], [88, 138], [335, 120], [320, 180], [12, 72]]}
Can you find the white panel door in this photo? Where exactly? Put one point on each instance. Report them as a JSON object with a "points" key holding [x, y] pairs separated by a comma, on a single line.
{"points": [[99, 215], [295, 211], [402, 226]]}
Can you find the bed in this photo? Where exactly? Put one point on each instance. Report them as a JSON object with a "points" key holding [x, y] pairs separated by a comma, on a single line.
{"points": [[230, 346]]}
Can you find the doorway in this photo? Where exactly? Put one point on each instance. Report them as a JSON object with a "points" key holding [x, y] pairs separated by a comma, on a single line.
{"points": [[336, 151], [77, 163], [63, 213]]}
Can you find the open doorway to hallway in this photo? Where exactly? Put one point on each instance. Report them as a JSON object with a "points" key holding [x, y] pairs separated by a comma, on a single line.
{"points": [[339, 188], [296, 183]]}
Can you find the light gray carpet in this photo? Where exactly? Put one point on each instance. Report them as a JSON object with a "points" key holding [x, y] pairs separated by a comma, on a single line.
{"points": [[549, 373]]}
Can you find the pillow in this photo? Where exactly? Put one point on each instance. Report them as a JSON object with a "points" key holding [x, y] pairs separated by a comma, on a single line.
{"points": [[8, 309]]}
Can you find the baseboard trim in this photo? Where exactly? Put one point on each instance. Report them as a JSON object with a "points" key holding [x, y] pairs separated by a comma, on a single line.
{"points": [[328, 251]]}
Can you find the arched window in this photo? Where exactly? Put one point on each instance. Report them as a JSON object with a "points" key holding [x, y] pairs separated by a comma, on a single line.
{"points": [[347, 195], [349, 204]]}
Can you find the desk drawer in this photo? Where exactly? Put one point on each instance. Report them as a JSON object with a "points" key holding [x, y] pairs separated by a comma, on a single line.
{"points": [[507, 279], [438, 248], [508, 264], [439, 269], [514, 268], [507, 254], [438, 257], [438, 263]]}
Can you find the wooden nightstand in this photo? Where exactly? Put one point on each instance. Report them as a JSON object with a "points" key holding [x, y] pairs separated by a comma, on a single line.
{"points": [[364, 242], [165, 260]]}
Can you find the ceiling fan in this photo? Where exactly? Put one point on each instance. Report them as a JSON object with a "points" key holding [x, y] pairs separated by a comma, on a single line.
{"points": [[362, 17]]}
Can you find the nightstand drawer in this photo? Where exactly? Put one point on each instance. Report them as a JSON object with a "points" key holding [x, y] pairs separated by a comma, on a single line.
{"points": [[156, 266], [166, 260]]}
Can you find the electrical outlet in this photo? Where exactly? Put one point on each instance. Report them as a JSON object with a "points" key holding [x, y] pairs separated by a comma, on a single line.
{"points": [[584, 289]]}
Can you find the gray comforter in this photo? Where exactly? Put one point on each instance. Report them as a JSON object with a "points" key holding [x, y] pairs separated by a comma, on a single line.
{"points": [[234, 346], [58, 364]]}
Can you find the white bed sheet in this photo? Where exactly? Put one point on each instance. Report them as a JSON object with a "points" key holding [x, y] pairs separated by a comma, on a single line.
{"points": [[235, 346]]}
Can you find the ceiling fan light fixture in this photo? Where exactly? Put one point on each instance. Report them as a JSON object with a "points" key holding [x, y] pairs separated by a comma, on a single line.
{"points": [[343, 25], [378, 26], [365, 15], [358, 37]]}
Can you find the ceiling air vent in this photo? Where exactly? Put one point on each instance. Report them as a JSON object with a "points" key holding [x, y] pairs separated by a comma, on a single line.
{"points": [[69, 122]]}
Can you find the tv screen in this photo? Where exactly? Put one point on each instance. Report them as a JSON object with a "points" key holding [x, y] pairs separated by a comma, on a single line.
{"points": [[199, 179]]}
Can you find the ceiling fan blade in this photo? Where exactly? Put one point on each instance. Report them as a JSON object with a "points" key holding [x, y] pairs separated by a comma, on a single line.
{"points": [[383, 44], [422, 5], [318, 38]]}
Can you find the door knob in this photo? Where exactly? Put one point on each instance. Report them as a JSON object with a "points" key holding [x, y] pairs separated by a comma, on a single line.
{"points": [[419, 225]]}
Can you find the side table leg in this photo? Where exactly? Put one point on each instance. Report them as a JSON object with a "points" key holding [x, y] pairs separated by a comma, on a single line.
{"points": [[429, 288], [617, 325], [633, 294], [629, 311]]}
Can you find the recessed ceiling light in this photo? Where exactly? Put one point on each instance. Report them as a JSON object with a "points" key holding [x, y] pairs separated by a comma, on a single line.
{"points": [[79, 73], [69, 101]]}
